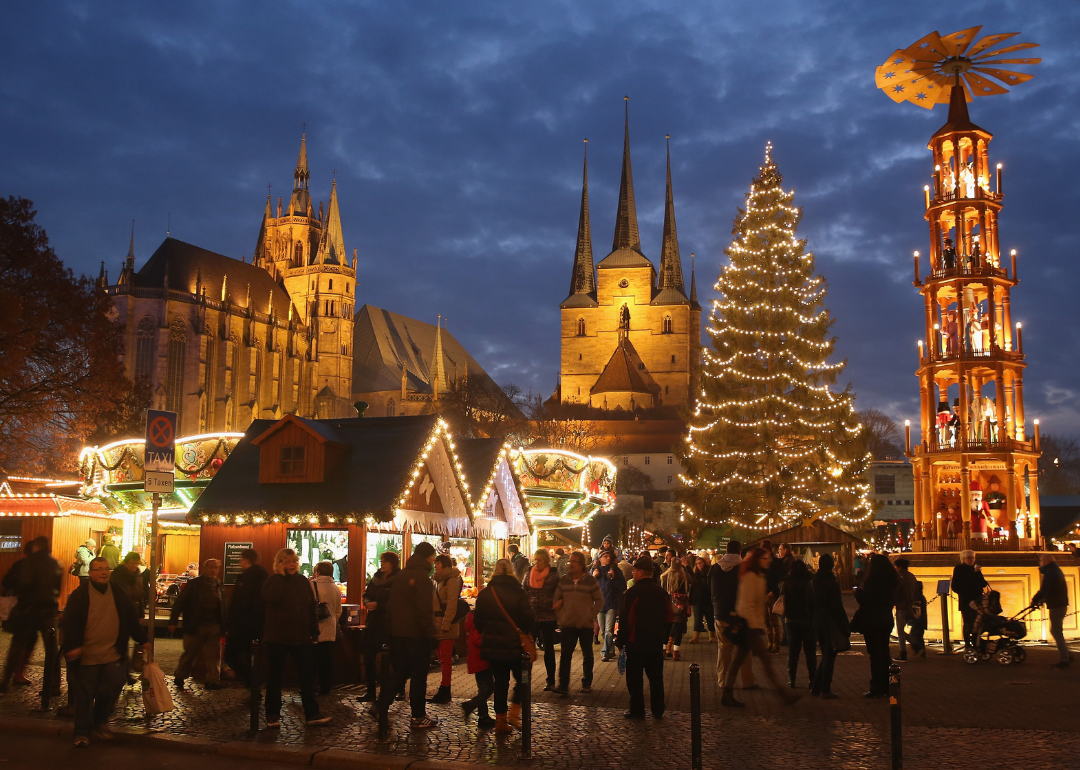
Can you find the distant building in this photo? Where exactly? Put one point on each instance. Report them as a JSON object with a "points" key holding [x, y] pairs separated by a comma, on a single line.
{"points": [[892, 488]]}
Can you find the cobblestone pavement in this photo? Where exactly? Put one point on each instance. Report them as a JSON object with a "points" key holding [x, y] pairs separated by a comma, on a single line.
{"points": [[954, 715]]}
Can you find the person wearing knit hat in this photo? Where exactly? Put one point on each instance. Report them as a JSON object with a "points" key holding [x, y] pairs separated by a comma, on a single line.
{"points": [[644, 616]]}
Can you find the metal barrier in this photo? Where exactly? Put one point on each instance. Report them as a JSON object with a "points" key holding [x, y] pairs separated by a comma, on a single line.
{"points": [[526, 705], [48, 640], [385, 681], [695, 716], [894, 718], [255, 688], [946, 642]]}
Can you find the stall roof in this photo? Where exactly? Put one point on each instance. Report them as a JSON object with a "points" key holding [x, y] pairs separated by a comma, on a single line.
{"points": [[50, 505], [816, 531]]}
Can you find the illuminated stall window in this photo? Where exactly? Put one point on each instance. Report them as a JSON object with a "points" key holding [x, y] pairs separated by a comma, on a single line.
{"points": [[463, 552], [379, 543], [315, 545]]}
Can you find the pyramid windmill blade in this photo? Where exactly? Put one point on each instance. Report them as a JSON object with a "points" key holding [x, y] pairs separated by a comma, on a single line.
{"points": [[1006, 61], [988, 42], [981, 86], [958, 41], [1007, 49], [1005, 76], [925, 48], [891, 71]]}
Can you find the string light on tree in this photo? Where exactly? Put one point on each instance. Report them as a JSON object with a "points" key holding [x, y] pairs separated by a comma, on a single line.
{"points": [[769, 440]]}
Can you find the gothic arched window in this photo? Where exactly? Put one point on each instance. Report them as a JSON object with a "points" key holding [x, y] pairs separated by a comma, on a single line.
{"points": [[391, 408], [298, 254], [581, 327], [144, 349], [209, 378], [174, 381], [667, 324]]}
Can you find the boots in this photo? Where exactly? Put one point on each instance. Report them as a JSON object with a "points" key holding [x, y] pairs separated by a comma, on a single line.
{"points": [[727, 698], [442, 695], [712, 637], [695, 637], [514, 717], [500, 724], [677, 655], [670, 646]]}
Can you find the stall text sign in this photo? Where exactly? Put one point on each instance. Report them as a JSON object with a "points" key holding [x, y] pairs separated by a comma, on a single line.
{"points": [[159, 453], [232, 566]]}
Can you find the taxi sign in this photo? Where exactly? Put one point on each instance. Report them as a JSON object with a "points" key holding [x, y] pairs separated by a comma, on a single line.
{"points": [[159, 452]]}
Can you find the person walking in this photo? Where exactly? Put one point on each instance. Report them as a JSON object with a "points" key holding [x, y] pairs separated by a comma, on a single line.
{"points": [[201, 606], [37, 591], [376, 601], [798, 623], [109, 552], [539, 584], [750, 605], [562, 561], [448, 585], [412, 631], [644, 615], [612, 587], [577, 601], [503, 614], [133, 581], [701, 600], [83, 554], [481, 671], [677, 583], [724, 589], [778, 570], [830, 622], [968, 584], [97, 624], [876, 597], [905, 599], [290, 630], [328, 613], [246, 615], [918, 622], [1054, 593], [518, 560]]}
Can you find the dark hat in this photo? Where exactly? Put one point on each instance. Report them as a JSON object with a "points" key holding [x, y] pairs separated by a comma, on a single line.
{"points": [[645, 564], [424, 549], [608, 539]]}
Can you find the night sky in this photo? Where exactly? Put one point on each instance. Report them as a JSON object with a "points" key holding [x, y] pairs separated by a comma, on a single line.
{"points": [[456, 133]]}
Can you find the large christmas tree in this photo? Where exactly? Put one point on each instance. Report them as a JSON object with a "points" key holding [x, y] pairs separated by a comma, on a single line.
{"points": [[769, 441]]}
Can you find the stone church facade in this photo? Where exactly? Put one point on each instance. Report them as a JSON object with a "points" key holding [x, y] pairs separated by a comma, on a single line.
{"points": [[631, 335]]}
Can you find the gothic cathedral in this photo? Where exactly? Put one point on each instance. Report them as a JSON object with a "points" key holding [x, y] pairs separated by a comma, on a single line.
{"points": [[631, 336]]}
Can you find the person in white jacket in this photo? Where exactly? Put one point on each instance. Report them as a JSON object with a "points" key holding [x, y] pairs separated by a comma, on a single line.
{"points": [[326, 592]]}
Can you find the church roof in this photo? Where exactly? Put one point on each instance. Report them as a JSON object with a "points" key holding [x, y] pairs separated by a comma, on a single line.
{"points": [[624, 258], [626, 245], [332, 244], [624, 372], [669, 281], [189, 265], [580, 300], [583, 278]]}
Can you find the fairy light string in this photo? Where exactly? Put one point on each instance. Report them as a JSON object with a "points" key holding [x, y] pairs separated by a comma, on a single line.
{"points": [[771, 439]]}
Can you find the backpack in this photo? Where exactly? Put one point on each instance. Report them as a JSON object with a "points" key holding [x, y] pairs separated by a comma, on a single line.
{"points": [[76, 566]]}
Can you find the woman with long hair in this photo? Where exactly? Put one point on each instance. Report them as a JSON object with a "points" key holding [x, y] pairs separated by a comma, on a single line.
{"points": [[877, 597], [677, 583], [539, 584], [830, 624], [750, 606], [448, 585], [503, 612]]}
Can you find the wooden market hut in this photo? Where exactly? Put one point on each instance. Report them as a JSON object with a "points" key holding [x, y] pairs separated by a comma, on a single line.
{"points": [[810, 539], [337, 489]]}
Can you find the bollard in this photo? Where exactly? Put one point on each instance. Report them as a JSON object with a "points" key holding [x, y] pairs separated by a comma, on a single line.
{"points": [[48, 640], [946, 642], [385, 694], [695, 716], [253, 684], [894, 718], [526, 705]]}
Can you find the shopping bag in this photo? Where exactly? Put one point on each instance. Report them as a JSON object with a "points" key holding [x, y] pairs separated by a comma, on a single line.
{"points": [[156, 696]]}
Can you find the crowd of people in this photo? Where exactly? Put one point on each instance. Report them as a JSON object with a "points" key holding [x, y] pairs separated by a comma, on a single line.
{"points": [[750, 602]]}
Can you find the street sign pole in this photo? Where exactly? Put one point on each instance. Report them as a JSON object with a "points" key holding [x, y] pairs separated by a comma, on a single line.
{"points": [[155, 558], [159, 462]]}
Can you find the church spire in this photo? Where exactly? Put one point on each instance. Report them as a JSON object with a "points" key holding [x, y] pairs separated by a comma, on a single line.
{"points": [[671, 275], [332, 243], [260, 244], [300, 202], [693, 285], [438, 365], [130, 263], [583, 280], [626, 225]]}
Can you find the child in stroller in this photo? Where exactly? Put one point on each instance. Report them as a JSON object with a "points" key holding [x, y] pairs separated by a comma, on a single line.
{"points": [[1006, 633]]}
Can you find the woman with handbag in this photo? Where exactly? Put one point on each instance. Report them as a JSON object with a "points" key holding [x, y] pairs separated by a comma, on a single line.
{"points": [[539, 584], [876, 598], [751, 607], [830, 624], [504, 618], [327, 612], [676, 582], [448, 585]]}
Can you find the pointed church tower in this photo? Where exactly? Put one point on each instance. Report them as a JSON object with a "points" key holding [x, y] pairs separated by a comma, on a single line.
{"points": [[300, 202], [669, 284]]}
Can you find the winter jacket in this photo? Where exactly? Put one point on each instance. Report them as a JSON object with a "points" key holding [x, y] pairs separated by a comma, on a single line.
{"points": [[677, 584], [378, 591], [136, 585], [38, 587], [700, 593], [290, 610], [499, 640], [876, 601], [73, 623], [826, 603], [776, 573], [627, 570], [448, 585], [643, 616], [247, 610], [562, 564], [905, 591], [1054, 592], [724, 585], [967, 583], [327, 592], [796, 589], [541, 598], [474, 640], [111, 554], [750, 600], [189, 604], [580, 601], [411, 601], [83, 557], [520, 565], [612, 586]]}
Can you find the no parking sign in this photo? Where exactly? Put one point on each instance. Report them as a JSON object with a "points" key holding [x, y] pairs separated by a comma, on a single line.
{"points": [[159, 453]]}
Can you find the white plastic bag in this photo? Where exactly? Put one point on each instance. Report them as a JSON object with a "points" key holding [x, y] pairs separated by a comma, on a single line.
{"points": [[156, 696]]}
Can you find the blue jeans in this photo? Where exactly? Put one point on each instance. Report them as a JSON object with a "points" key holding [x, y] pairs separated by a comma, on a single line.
{"points": [[94, 692], [606, 619]]}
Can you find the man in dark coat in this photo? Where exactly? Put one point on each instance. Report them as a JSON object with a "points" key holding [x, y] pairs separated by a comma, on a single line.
{"points": [[37, 589], [968, 584], [202, 605], [133, 581], [412, 629], [1054, 593], [244, 621], [644, 616]]}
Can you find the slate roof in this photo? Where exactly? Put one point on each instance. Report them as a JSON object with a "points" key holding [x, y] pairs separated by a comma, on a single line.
{"points": [[624, 257], [380, 454], [622, 373], [187, 264]]}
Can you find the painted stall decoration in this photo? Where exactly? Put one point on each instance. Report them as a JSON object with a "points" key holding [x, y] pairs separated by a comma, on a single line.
{"points": [[564, 489]]}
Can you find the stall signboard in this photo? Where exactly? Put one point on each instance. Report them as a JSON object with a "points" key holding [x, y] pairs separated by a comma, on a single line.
{"points": [[159, 451], [231, 569]]}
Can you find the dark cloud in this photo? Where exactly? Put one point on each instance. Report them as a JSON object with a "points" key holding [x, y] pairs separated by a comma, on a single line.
{"points": [[455, 131]]}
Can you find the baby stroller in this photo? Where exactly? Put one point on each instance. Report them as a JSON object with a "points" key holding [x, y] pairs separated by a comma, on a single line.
{"points": [[1004, 633]]}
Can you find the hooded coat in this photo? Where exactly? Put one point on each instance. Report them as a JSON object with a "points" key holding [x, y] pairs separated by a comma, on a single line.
{"points": [[448, 585], [724, 585], [412, 600]]}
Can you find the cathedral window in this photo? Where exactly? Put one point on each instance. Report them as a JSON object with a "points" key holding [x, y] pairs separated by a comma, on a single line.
{"points": [[331, 284], [581, 327], [209, 376], [667, 324], [144, 349], [391, 408], [672, 358], [298, 254], [174, 385]]}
